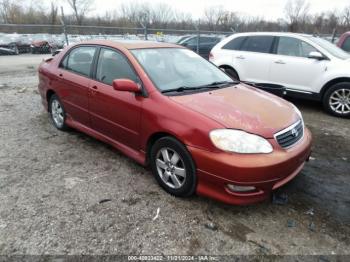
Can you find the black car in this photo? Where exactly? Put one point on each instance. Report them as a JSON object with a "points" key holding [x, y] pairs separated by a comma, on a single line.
{"points": [[206, 43], [18, 44]]}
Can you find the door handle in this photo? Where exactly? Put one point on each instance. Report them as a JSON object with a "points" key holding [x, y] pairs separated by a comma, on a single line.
{"points": [[93, 90], [280, 62], [60, 75], [240, 57]]}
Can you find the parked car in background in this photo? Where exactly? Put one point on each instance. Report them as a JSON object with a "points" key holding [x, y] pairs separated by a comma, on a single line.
{"points": [[167, 107], [206, 43], [344, 42], [7, 51], [298, 65], [45, 43], [17, 43]]}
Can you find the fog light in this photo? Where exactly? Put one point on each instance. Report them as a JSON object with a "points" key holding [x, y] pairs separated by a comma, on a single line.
{"points": [[235, 188]]}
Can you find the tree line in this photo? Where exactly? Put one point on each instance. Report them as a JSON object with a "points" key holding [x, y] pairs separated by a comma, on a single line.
{"points": [[131, 14]]}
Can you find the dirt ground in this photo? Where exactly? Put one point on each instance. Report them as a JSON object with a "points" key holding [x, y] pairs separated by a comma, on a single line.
{"points": [[53, 186]]}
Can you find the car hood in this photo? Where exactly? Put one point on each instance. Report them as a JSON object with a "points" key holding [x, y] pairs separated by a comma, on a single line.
{"points": [[243, 107]]}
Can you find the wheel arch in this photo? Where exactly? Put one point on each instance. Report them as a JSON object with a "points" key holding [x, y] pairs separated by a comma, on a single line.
{"points": [[332, 83], [224, 66], [49, 94], [155, 137]]}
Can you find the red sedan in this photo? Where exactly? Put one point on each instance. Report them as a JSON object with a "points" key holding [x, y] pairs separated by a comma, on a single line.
{"points": [[165, 106]]}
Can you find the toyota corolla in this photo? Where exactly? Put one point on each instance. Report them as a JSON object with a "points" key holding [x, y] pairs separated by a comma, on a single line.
{"points": [[165, 106]]}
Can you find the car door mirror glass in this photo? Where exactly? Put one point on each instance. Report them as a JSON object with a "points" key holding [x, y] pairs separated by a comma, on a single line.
{"points": [[316, 55]]}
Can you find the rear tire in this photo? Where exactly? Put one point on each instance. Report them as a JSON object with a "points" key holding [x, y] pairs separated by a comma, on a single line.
{"points": [[57, 113], [16, 50], [173, 167], [336, 100]]}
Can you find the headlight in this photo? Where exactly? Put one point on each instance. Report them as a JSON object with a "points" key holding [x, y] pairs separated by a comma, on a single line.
{"points": [[239, 141]]}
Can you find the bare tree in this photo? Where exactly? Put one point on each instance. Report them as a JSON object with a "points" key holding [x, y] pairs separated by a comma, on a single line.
{"points": [[53, 13], [161, 14], [213, 16], [80, 9], [296, 12], [346, 16]]}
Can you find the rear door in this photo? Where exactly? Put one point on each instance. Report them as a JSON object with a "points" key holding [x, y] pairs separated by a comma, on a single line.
{"points": [[115, 114], [73, 82], [291, 66], [252, 61]]}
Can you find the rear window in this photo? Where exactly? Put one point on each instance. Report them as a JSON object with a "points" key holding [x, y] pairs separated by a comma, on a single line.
{"points": [[235, 44], [258, 44]]}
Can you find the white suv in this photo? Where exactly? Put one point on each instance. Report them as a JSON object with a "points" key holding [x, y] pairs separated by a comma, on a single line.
{"points": [[299, 65]]}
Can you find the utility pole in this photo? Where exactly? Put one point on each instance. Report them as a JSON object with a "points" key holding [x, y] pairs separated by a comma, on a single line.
{"points": [[145, 30], [198, 36], [64, 25]]}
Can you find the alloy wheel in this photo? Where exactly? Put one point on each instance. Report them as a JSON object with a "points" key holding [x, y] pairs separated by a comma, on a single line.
{"points": [[171, 168], [339, 101], [57, 113]]}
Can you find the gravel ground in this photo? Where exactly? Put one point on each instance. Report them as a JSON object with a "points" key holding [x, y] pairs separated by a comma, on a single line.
{"points": [[67, 193]]}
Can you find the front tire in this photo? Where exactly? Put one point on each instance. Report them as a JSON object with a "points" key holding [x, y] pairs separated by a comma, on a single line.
{"points": [[173, 167], [336, 100], [57, 113]]}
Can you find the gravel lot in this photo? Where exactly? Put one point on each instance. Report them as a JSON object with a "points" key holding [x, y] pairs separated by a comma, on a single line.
{"points": [[52, 183]]}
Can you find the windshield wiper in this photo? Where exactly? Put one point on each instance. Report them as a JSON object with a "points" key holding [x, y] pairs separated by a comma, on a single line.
{"points": [[179, 89], [216, 84]]}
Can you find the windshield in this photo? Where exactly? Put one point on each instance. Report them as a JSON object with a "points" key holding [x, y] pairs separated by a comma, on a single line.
{"points": [[171, 68], [331, 48]]}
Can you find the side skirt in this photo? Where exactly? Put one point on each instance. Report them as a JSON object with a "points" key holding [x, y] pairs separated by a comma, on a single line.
{"points": [[138, 156], [283, 91]]}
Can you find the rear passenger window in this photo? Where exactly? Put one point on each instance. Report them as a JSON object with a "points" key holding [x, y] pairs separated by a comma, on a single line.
{"points": [[235, 44], [113, 65], [258, 44], [346, 45], [208, 40], [79, 60]]}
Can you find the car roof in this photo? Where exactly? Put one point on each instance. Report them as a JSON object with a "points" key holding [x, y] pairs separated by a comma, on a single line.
{"points": [[272, 34], [131, 44]]}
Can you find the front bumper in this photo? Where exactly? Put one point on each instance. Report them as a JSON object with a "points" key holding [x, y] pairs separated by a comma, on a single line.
{"points": [[266, 172]]}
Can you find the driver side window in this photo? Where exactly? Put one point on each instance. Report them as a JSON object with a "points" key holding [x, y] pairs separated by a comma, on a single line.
{"points": [[113, 65], [289, 46]]}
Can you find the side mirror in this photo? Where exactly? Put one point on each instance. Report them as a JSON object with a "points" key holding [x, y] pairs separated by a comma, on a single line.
{"points": [[316, 55], [126, 85]]}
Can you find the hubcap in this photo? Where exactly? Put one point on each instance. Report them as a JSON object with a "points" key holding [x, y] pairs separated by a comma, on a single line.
{"points": [[339, 101], [171, 168], [57, 113]]}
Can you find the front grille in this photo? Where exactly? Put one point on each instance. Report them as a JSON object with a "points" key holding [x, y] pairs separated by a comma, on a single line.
{"points": [[291, 135]]}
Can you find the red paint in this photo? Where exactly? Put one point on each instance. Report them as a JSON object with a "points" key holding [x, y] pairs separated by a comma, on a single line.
{"points": [[342, 39], [126, 85], [127, 121]]}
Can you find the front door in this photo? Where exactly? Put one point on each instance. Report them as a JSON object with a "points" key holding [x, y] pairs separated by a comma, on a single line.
{"points": [[291, 66], [115, 114]]}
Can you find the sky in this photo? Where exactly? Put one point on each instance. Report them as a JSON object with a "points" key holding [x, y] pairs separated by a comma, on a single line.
{"points": [[269, 9]]}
